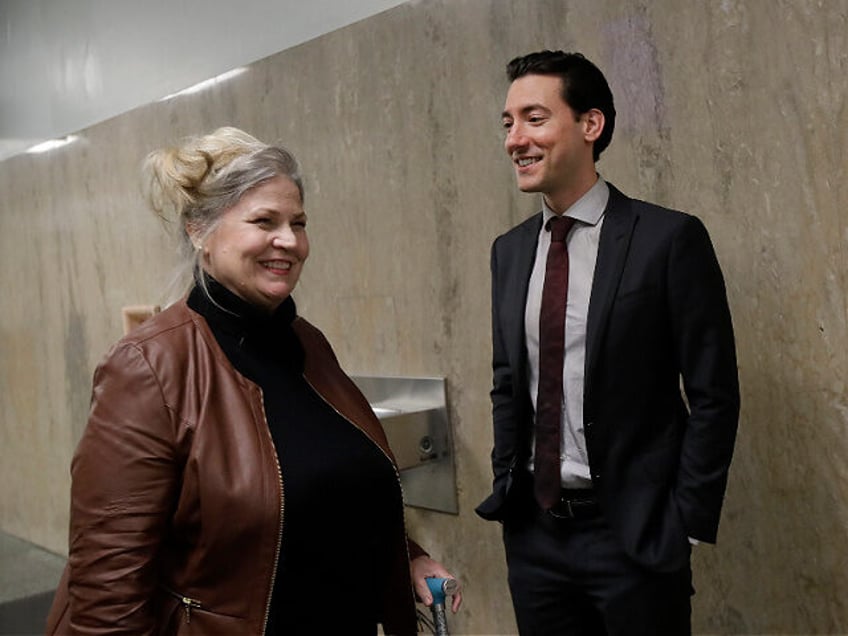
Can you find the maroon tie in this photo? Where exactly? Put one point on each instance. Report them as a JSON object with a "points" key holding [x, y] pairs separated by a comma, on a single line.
{"points": [[546, 464]]}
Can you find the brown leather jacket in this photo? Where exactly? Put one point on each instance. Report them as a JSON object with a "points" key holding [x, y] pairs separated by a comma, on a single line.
{"points": [[177, 508]]}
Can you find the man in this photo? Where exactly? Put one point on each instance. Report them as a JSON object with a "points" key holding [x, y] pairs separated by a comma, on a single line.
{"points": [[603, 474]]}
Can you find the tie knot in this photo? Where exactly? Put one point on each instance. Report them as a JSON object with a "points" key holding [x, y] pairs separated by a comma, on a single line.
{"points": [[559, 227]]}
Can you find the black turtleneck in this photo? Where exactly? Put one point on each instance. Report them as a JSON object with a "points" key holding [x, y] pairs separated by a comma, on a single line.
{"points": [[341, 500]]}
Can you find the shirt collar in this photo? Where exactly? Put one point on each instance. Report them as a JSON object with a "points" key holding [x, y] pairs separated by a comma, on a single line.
{"points": [[587, 209]]}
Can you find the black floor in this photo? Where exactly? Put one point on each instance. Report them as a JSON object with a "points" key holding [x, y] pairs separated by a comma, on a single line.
{"points": [[25, 616], [28, 577]]}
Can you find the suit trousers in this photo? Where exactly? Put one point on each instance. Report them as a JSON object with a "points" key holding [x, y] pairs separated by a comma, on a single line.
{"points": [[569, 577]]}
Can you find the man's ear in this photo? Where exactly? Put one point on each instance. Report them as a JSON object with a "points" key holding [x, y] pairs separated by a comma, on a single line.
{"points": [[593, 124]]}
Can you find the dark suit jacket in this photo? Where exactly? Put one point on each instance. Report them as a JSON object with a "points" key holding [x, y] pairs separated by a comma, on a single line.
{"points": [[658, 313]]}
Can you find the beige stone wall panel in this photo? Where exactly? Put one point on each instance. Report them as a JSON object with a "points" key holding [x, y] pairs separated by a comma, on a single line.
{"points": [[733, 110]]}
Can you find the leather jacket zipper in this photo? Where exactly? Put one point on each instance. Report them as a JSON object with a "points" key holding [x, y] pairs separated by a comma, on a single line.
{"points": [[188, 603], [282, 510]]}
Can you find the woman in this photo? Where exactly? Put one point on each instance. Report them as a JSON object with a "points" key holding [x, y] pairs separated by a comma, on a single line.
{"points": [[232, 479]]}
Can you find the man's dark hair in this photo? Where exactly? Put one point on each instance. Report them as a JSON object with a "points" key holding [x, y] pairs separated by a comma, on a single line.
{"points": [[584, 87]]}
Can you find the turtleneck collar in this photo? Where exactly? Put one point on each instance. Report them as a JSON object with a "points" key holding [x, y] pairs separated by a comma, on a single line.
{"points": [[246, 323]]}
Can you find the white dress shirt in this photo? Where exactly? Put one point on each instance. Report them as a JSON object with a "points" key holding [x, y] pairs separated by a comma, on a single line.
{"points": [[582, 245]]}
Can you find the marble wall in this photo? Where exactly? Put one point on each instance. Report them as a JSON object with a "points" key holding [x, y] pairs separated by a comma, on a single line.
{"points": [[733, 110]]}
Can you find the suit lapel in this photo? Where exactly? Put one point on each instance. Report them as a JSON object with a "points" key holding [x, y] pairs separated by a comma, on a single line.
{"points": [[517, 287], [619, 222]]}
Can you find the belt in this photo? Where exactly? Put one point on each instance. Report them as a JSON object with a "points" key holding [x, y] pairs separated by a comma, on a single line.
{"points": [[575, 504]]}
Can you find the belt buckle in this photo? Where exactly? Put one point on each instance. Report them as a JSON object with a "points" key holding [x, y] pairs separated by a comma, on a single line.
{"points": [[568, 512]]}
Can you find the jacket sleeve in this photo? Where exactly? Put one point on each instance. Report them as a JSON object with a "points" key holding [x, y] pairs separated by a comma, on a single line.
{"points": [[703, 337], [124, 484]]}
